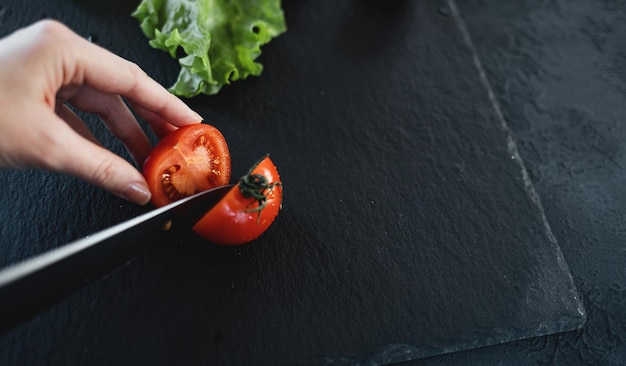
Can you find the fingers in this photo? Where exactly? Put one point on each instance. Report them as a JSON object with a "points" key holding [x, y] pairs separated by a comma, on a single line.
{"points": [[75, 122], [87, 63], [70, 61], [104, 169], [47, 64], [160, 127], [118, 118], [61, 142], [111, 74], [67, 151]]}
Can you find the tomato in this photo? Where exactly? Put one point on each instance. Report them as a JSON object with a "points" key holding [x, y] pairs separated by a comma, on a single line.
{"points": [[189, 160], [247, 210]]}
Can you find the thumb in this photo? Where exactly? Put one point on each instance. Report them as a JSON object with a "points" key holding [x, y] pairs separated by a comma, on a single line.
{"points": [[73, 154], [104, 169]]}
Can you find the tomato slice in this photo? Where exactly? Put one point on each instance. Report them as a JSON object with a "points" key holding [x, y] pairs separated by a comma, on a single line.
{"points": [[247, 210], [189, 160]]}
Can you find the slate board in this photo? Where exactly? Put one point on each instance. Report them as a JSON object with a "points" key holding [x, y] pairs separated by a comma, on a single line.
{"points": [[407, 228]]}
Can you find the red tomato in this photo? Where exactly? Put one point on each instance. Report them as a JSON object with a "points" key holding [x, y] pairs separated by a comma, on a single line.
{"points": [[189, 160], [247, 210]]}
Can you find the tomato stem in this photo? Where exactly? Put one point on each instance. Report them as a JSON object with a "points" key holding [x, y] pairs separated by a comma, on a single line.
{"points": [[257, 187]]}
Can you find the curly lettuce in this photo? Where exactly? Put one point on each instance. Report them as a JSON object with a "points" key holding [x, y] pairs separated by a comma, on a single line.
{"points": [[220, 39]]}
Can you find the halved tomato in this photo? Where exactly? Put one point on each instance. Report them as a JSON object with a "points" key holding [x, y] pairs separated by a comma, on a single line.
{"points": [[247, 210], [189, 160]]}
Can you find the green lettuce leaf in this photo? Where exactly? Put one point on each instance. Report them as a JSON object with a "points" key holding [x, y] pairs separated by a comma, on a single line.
{"points": [[220, 39]]}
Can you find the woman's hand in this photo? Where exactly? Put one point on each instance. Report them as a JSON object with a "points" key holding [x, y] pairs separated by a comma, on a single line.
{"points": [[46, 67]]}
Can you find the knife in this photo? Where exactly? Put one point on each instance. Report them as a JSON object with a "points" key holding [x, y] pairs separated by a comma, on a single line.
{"points": [[28, 287]]}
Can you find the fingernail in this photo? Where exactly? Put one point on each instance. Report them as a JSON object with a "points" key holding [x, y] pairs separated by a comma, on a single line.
{"points": [[196, 117], [137, 193]]}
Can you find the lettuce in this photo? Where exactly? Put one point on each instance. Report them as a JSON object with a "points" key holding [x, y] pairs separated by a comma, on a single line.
{"points": [[220, 39]]}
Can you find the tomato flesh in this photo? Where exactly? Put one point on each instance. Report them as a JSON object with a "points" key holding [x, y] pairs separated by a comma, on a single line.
{"points": [[189, 160], [242, 216]]}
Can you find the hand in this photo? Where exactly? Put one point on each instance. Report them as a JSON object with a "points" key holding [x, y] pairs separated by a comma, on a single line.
{"points": [[46, 67]]}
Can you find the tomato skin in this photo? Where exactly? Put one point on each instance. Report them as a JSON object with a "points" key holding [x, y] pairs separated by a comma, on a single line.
{"points": [[192, 159], [234, 221]]}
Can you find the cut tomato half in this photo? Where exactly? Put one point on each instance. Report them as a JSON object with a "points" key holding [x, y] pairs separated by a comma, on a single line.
{"points": [[247, 210], [189, 160]]}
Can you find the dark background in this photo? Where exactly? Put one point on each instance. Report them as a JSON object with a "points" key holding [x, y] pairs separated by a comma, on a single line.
{"points": [[406, 220], [558, 71]]}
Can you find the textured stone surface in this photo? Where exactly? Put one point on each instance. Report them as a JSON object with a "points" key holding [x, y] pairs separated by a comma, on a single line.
{"points": [[558, 70], [409, 227]]}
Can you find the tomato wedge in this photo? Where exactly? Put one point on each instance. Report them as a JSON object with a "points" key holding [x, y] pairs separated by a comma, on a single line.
{"points": [[189, 160], [247, 210]]}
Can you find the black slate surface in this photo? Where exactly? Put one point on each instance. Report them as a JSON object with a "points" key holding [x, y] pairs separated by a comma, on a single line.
{"points": [[558, 70], [408, 229]]}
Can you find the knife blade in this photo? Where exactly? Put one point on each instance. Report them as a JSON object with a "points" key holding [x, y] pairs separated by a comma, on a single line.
{"points": [[28, 287]]}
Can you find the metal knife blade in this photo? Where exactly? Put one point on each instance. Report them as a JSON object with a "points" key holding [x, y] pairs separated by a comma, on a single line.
{"points": [[36, 283]]}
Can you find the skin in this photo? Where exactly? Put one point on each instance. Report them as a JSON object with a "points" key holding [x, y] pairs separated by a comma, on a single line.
{"points": [[44, 69]]}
